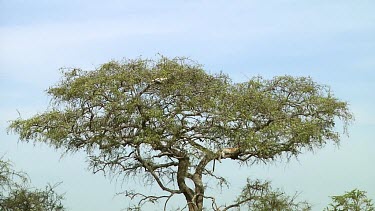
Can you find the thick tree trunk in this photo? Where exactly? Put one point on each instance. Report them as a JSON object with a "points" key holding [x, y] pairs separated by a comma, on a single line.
{"points": [[197, 179], [199, 191], [192, 207], [189, 194], [194, 198]]}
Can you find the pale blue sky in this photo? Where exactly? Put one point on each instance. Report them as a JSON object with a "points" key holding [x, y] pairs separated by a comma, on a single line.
{"points": [[331, 41]]}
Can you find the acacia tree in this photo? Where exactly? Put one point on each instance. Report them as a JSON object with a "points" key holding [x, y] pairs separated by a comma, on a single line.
{"points": [[355, 200], [10, 178], [168, 119], [16, 195], [259, 196]]}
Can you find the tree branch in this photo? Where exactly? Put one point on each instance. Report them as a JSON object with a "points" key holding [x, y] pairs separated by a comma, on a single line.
{"points": [[151, 169]]}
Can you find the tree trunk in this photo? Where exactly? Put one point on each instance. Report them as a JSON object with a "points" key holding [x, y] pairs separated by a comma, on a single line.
{"points": [[199, 191], [189, 194], [194, 198], [198, 183]]}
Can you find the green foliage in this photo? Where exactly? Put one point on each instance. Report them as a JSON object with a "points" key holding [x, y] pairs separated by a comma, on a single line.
{"points": [[354, 200], [15, 195], [10, 178], [259, 196], [22, 199], [118, 105], [167, 119]]}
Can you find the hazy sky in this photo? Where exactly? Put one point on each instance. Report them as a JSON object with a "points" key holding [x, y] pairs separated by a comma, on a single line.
{"points": [[331, 41]]}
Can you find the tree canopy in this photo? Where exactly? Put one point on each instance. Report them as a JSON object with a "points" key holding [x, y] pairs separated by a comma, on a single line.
{"points": [[16, 195], [355, 200], [167, 119], [259, 196]]}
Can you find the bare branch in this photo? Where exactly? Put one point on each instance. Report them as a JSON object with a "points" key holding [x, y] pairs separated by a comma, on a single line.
{"points": [[151, 169], [143, 199]]}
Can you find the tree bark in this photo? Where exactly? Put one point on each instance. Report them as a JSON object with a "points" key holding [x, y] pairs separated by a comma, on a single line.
{"points": [[189, 194], [197, 179], [199, 191]]}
